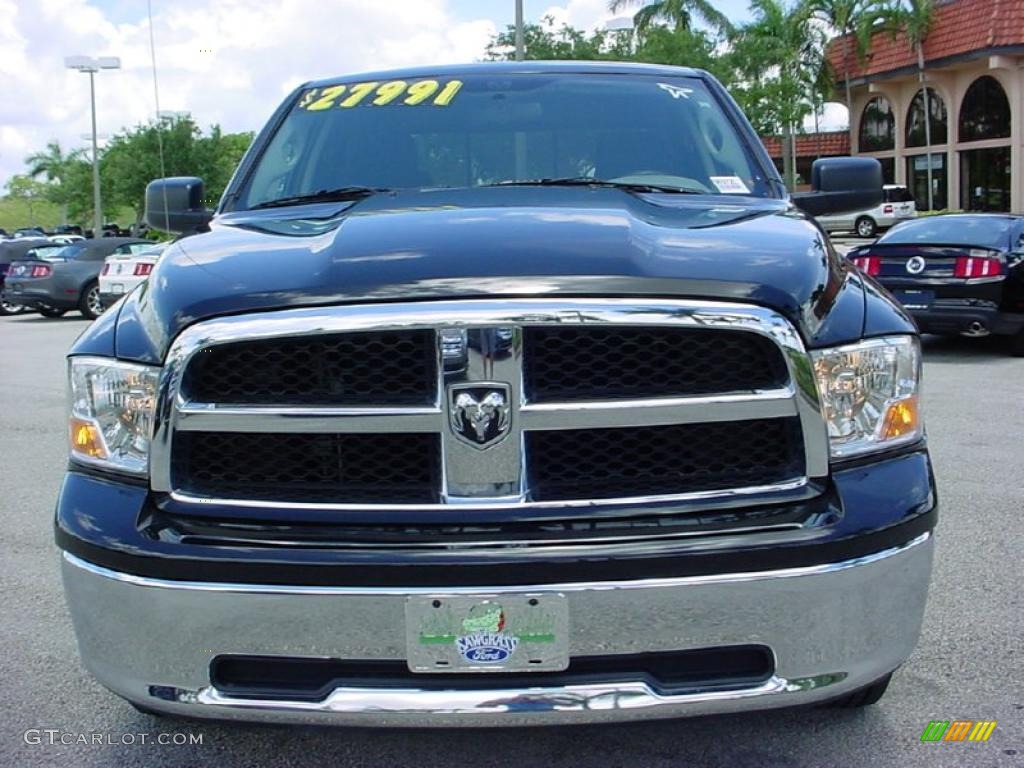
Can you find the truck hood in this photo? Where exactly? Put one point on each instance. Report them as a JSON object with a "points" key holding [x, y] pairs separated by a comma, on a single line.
{"points": [[508, 241]]}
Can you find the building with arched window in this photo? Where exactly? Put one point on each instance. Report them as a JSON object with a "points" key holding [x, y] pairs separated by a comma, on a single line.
{"points": [[963, 127]]}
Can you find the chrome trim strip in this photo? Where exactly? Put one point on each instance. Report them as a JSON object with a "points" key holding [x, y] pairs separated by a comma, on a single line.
{"points": [[681, 581], [595, 545], [193, 417], [489, 701], [769, 404], [714, 498], [764, 404], [487, 317]]}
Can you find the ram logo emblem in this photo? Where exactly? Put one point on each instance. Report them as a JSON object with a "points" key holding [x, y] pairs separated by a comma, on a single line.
{"points": [[480, 414]]}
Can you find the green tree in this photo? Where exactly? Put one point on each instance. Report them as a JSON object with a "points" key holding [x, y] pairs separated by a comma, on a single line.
{"points": [[24, 187], [679, 14], [77, 189], [855, 21], [545, 41], [659, 45], [914, 20], [778, 58], [132, 159], [54, 165]]}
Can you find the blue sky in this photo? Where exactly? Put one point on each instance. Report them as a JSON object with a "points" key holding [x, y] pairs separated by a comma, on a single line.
{"points": [[502, 12]]}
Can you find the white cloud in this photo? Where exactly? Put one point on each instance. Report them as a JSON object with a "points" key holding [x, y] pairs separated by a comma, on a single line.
{"points": [[834, 117], [584, 14], [259, 52]]}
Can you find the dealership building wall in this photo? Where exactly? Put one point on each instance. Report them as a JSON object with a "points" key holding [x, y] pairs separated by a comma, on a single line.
{"points": [[975, 75]]}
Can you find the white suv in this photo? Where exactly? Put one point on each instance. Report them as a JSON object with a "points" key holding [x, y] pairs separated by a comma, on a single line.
{"points": [[897, 205]]}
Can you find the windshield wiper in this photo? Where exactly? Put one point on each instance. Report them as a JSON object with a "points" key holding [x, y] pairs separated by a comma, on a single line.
{"points": [[587, 181], [323, 196]]}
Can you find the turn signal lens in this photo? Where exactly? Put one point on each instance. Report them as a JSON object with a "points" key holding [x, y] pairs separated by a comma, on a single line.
{"points": [[901, 419], [86, 439]]}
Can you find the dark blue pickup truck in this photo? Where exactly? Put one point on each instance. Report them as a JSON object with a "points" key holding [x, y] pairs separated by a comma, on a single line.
{"points": [[499, 394]]}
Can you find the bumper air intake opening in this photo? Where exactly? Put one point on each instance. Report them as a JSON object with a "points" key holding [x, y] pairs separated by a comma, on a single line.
{"points": [[667, 673]]}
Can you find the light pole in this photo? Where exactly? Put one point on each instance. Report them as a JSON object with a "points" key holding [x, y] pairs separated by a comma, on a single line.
{"points": [[91, 66], [519, 31]]}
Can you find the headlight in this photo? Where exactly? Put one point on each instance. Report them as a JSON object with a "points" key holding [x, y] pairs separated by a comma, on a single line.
{"points": [[112, 405], [870, 394]]}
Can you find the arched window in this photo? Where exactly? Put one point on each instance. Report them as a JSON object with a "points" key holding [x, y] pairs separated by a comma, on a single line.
{"points": [[915, 119], [877, 126], [985, 113]]}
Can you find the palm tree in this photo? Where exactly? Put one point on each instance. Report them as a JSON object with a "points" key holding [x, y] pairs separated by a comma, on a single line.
{"points": [[855, 21], [53, 165], [678, 13], [915, 21], [783, 49]]}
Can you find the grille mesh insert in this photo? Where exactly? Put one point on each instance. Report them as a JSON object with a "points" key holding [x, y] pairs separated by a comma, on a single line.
{"points": [[586, 363], [680, 458], [371, 368], [326, 468]]}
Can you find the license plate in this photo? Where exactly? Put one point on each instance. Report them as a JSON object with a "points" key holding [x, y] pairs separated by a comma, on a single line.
{"points": [[487, 633], [117, 288], [912, 299]]}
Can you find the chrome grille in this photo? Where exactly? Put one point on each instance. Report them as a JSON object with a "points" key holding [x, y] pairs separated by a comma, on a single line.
{"points": [[486, 435]]}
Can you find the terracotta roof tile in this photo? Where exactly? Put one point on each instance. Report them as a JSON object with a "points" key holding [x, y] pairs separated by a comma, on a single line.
{"points": [[812, 144], [958, 27]]}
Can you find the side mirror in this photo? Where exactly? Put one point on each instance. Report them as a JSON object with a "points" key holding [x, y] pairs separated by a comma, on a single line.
{"points": [[842, 185], [176, 205]]}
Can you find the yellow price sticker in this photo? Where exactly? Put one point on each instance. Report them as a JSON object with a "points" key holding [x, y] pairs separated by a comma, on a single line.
{"points": [[380, 94]]}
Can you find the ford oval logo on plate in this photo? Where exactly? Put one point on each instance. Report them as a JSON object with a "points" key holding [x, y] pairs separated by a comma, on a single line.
{"points": [[486, 647]]}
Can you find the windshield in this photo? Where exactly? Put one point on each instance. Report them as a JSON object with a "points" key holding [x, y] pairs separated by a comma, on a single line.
{"points": [[479, 130], [977, 231], [47, 252], [897, 195]]}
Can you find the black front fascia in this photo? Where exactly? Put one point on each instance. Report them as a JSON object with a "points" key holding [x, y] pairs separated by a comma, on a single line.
{"points": [[869, 508]]}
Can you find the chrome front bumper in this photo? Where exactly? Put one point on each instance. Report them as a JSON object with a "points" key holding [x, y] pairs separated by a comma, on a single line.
{"points": [[832, 628]]}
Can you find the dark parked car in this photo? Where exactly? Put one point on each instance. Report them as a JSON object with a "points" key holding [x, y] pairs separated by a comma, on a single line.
{"points": [[29, 232], [66, 278], [499, 394], [11, 251], [956, 274]]}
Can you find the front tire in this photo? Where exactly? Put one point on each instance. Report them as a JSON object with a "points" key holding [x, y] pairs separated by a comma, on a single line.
{"points": [[90, 304], [862, 697], [866, 227]]}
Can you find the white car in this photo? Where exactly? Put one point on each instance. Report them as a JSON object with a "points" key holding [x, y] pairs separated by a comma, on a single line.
{"points": [[897, 205], [123, 271], [65, 239]]}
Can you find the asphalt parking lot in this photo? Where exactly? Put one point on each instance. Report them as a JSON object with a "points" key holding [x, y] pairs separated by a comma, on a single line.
{"points": [[969, 664]]}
